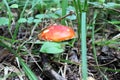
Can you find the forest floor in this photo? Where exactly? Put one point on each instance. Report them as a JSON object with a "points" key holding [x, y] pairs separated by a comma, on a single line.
{"points": [[103, 59]]}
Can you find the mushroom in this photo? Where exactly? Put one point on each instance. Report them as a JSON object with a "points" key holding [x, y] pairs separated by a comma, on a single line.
{"points": [[54, 34], [57, 33]]}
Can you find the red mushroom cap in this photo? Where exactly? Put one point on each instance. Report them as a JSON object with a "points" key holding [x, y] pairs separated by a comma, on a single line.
{"points": [[57, 33]]}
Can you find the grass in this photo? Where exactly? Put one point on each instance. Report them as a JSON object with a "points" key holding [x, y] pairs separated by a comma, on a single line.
{"points": [[81, 8], [21, 15], [10, 17], [78, 9], [83, 46], [25, 67], [93, 44], [64, 6]]}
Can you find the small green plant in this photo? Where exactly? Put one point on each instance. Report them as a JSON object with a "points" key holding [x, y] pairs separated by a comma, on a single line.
{"points": [[52, 48], [4, 21]]}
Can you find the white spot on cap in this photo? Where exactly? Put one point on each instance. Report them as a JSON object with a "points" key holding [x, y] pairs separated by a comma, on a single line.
{"points": [[45, 31], [68, 30]]}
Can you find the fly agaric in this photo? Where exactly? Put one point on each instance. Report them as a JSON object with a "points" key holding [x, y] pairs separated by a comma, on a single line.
{"points": [[57, 33]]}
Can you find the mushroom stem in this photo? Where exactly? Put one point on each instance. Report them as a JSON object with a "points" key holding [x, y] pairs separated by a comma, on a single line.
{"points": [[48, 71]]}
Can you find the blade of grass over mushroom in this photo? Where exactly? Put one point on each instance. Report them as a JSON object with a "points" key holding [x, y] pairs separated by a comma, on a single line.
{"points": [[27, 70], [64, 7]]}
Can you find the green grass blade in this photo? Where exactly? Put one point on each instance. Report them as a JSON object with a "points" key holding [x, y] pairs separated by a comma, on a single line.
{"points": [[93, 44], [81, 17], [10, 17], [28, 71], [93, 38], [83, 39], [78, 14], [64, 9], [17, 25], [21, 15], [83, 46]]}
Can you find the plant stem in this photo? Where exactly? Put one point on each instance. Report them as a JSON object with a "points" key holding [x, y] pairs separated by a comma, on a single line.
{"points": [[64, 9], [83, 39], [10, 17], [18, 25], [78, 14], [83, 46]]}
